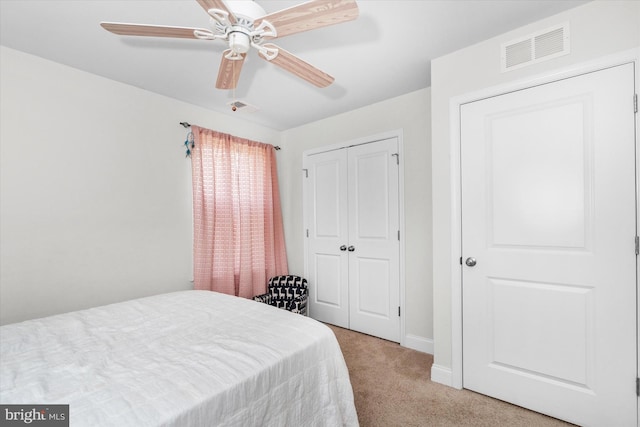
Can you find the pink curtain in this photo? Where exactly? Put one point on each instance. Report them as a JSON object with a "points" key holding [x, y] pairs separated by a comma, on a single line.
{"points": [[238, 233]]}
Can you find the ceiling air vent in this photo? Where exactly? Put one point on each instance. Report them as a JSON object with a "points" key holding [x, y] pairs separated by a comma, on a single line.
{"points": [[242, 107], [536, 47]]}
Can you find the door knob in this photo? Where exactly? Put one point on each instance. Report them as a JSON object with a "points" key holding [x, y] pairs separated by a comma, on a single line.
{"points": [[470, 261], [343, 247], [351, 248]]}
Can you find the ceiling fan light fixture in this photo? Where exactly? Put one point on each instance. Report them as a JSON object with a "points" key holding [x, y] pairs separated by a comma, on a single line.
{"points": [[239, 42]]}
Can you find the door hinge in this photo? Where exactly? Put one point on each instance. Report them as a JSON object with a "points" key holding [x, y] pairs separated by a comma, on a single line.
{"points": [[635, 103], [307, 232], [398, 234], [398, 311], [637, 245], [306, 173], [637, 386]]}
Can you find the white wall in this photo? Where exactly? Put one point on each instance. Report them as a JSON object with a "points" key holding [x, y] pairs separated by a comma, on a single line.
{"points": [[95, 200], [597, 29], [95, 190], [411, 114]]}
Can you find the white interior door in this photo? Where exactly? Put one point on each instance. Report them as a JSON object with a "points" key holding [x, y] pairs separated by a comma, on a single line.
{"points": [[548, 214], [328, 268], [353, 259], [374, 275]]}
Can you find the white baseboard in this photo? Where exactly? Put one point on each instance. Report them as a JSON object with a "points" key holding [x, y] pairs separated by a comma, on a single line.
{"points": [[441, 375], [415, 342]]}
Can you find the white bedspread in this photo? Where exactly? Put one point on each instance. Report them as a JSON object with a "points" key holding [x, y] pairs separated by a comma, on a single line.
{"points": [[192, 358]]}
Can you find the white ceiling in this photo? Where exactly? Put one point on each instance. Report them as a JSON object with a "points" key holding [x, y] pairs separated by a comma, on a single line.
{"points": [[384, 53]]}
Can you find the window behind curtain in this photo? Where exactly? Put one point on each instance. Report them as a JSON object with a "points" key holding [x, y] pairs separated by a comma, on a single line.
{"points": [[238, 232]]}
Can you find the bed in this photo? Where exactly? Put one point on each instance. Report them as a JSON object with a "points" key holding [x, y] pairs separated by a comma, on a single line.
{"points": [[190, 358]]}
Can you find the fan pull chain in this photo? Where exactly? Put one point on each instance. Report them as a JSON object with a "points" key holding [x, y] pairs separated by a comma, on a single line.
{"points": [[233, 77]]}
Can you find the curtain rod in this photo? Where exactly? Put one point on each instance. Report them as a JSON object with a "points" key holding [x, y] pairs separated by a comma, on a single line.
{"points": [[187, 125]]}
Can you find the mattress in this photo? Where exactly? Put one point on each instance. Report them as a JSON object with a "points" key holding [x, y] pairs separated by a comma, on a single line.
{"points": [[191, 358]]}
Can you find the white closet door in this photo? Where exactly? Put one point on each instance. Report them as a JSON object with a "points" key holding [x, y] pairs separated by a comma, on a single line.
{"points": [[548, 230], [327, 195], [374, 286], [353, 258]]}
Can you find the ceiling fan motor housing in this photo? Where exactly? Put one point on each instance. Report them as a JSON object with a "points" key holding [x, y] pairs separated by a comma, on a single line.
{"points": [[248, 9]]}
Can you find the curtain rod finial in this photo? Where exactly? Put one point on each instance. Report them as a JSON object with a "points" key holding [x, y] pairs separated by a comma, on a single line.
{"points": [[185, 124]]}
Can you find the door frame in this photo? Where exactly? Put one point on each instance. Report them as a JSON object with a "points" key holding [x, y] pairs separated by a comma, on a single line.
{"points": [[397, 133], [454, 377]]}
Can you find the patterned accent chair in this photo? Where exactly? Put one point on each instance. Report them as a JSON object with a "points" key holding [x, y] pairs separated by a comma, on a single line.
{"points": [[286, 292]]}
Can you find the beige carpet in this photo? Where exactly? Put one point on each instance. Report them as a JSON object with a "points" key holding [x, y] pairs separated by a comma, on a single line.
{"points": [[392, 387]]}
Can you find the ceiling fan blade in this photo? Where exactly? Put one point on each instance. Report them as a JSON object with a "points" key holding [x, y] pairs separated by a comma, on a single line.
{"points": [[297, 66], [311, 15], [150, 30], [217, 4], [229, 71]]}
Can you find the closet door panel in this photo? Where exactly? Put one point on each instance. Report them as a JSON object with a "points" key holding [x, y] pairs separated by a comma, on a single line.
{"points": [[327, 220], [374, 286]]}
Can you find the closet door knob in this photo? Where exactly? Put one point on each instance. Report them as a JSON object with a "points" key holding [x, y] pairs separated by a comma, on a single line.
{"points": [[351, 248], [343, 247]]}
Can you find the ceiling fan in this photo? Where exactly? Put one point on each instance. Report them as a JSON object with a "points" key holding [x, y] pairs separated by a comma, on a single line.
{"points": [[243, 24]]}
